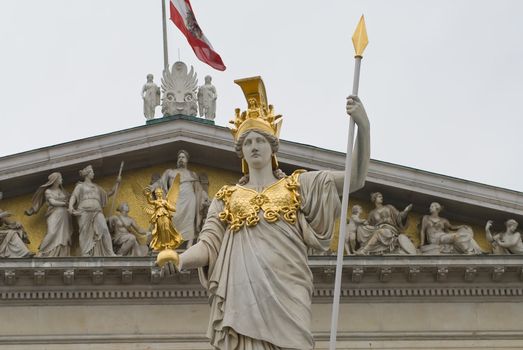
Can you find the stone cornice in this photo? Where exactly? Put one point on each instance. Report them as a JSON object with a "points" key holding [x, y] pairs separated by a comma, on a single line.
{"points": [[297, 154], [138, 281]]}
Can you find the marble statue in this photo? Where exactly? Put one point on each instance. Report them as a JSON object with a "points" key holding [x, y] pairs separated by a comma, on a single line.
{"points": [[179, 91], [12, 237], [438, 236], [151, 97], [124, 230], [57, 240], [252, 250], [164, 234], [508, 242], [207, 99], [352, 229], [87, 203], [383, 231], [191, 200]]}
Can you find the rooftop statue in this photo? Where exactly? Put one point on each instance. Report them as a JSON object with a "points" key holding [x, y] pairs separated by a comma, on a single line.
{"points": [[252, 250], [179, 91], [12, 237], [383, 232], [438, 236], [508, 242], [87, 203], [207, 99], [189, 195], [151, 97], [125, 230], [57, 240]]}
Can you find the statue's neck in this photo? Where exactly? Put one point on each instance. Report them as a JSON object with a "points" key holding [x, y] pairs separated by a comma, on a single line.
{"points": [[260, 178]]}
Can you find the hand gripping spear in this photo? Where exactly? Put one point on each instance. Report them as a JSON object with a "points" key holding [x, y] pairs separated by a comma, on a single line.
{"points": [[360, 41]]}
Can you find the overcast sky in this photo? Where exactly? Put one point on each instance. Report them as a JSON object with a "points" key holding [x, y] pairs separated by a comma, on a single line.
{"points": [[442, 81]]}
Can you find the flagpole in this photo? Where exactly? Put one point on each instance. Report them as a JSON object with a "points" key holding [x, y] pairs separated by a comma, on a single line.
{"points": [[164, 23], [360, 41]]}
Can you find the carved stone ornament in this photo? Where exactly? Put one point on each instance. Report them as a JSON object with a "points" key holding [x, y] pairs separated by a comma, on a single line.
{"points": [[179, 91], [470, 274]]}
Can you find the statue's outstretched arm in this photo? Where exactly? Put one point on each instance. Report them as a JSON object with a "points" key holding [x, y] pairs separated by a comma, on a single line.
{"points": [[488, 233], [196, 256]]}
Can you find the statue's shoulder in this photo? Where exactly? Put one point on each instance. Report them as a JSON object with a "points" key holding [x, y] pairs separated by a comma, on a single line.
{"points": [[225, 192], [295, 176], [296, 173]]}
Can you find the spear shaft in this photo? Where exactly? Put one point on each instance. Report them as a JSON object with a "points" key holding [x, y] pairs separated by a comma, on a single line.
{"points": [[360, 42], [117, 187]]}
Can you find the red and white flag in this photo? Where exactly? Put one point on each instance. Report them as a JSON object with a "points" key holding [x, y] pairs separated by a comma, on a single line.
{"points": [[183, 16]]}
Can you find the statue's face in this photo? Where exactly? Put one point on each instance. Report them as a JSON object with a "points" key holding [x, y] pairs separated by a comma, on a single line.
{"points": [[256, 150], [59, 180], [435, 208], [124, 209], [512, 226], [182, 160]]}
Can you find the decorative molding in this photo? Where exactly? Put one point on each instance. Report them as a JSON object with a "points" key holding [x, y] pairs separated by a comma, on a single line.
{"points": [[470, 274], [512, 338], [386, 278]]}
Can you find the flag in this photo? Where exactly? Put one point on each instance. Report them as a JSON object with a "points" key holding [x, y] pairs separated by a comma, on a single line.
{"points": [[182, 16]]}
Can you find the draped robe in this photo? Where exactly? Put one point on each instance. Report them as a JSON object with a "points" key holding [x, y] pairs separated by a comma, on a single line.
{"points": [[258, 277]]}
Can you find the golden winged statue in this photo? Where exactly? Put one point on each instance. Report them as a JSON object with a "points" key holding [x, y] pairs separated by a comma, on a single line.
{"points": [[165, 237]]}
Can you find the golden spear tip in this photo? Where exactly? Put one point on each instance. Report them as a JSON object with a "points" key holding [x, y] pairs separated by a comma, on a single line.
{"points": [[360, 39]]}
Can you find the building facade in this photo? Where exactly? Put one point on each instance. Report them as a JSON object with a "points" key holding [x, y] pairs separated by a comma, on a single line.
{"points": [[388, 301]]}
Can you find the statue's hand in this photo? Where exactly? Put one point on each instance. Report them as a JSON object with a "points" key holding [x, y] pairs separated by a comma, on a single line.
{"points": [[73, 211], [170, 269], [356, 111], [488, 225]]}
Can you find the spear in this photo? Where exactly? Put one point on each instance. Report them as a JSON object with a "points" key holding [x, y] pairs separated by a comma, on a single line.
{"points": [[117, 187], [360, 41]]}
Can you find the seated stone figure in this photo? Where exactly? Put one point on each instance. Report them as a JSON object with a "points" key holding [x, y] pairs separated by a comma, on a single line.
{"points": [[12, 237], [508, 242], [438, 236], [383, 232], [124, 230]]}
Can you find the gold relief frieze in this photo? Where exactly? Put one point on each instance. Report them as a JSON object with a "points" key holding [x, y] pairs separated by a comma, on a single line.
{"points": [[36, 225]]}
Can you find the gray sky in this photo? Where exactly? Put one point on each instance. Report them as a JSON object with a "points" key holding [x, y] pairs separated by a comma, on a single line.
{"points": [[442, 81]]}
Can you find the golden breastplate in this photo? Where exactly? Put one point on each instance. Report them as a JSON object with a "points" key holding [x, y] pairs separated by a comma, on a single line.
{"points": [[242, 205]]}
